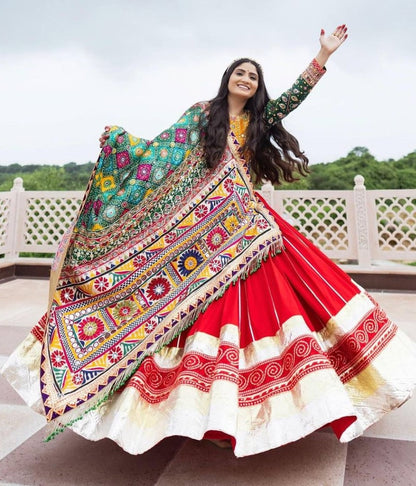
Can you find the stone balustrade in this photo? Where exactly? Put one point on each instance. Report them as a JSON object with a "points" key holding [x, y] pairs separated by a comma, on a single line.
{"points": [[358, 227]]}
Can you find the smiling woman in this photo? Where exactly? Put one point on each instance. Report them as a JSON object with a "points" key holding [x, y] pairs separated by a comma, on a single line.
{"points": [[182, 304]]}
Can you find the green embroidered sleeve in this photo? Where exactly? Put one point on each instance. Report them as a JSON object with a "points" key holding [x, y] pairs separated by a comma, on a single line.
{"points": [[277, 109]]}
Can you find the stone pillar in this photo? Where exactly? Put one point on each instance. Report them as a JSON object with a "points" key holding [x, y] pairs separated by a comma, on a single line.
{"points": [[361, 219], [15, 221], [267, 191]]}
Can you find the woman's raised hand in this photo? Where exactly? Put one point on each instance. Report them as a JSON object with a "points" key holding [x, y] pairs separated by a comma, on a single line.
{"points": [[332, 41], [104, 136]]}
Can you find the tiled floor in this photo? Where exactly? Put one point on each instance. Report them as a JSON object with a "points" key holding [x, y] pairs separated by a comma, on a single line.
{"points": [[386, 455]]}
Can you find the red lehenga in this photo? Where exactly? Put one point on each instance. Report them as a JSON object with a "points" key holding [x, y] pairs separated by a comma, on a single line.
{"points": [[198, 311]]}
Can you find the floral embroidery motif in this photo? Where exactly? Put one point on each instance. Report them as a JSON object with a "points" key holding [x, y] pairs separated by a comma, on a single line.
{"points": [[262, 223], [106, 183], [158, 174], [67, 295], [90, 328], [78, 378], [143, 172], [158, 288], [139, 261], [189, 261], [122, 159], [115, 355], [180, 135], [229, 185], [110, 213], [216, 238], [201, 211], [215, 265], [107, 150], [58, 359], [101, 284], [177, 156], [124, 310], [170, 237], [149, 326]]}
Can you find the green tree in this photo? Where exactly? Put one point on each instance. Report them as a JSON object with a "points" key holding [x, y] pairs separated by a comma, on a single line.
{"points": [[47, 178], [339, 174]]}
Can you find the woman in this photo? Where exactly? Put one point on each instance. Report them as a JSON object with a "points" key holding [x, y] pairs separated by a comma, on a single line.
{"points": [[181, 304]]}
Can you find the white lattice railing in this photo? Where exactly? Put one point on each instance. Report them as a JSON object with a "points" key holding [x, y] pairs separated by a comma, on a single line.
{"points": [[34, 221], [357, 226]]}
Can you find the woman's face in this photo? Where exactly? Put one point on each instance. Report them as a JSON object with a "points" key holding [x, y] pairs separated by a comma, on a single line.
{"points": [[243, 81]]}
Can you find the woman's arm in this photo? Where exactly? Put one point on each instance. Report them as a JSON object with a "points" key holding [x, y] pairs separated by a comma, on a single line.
{"points": [[279, 108]]}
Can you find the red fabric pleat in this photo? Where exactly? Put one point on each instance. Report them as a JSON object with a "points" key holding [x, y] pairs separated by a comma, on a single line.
{"points": [[299, 281]]}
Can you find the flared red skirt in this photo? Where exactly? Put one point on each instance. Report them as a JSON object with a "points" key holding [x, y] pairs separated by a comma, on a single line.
{"points": [[293, 347]]}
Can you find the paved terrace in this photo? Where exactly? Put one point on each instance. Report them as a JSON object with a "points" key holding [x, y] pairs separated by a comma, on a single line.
{"points": [[386, 455]]}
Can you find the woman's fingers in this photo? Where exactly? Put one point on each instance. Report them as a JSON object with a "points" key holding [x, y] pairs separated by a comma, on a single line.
{"points": [[341, 32], [331, 42], [103, 139]]}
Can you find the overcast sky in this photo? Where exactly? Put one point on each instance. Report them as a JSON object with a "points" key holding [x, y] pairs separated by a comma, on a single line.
{"points": [[70, 67]]}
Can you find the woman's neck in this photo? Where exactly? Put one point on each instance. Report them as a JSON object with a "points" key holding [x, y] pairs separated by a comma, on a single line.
{"points": [[236, 106]]}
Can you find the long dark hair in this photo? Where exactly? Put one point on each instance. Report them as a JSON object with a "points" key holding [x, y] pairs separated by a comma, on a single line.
{"points": [[273, 152]]}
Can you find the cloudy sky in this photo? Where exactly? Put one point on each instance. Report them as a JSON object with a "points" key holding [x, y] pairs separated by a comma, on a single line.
{"points": [[67, 68]]}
